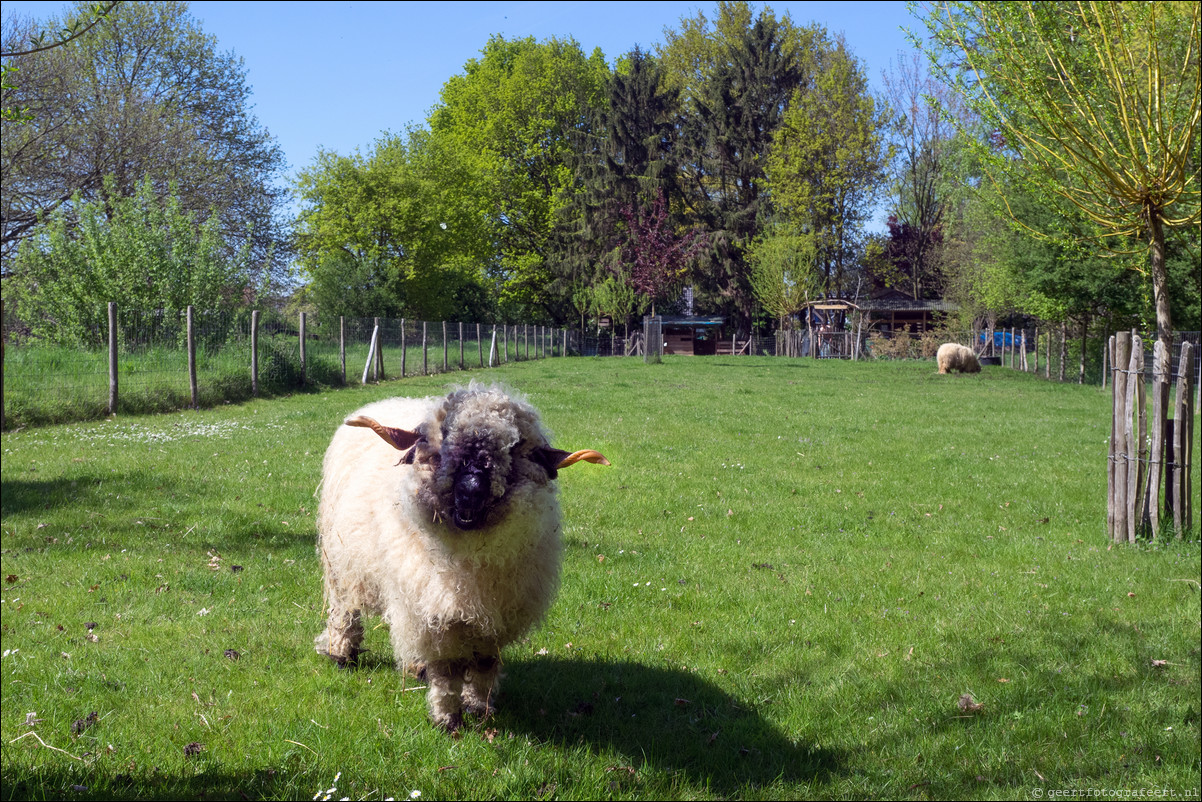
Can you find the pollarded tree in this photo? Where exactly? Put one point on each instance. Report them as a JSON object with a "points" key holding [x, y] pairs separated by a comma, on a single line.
{"points": [[1094, 104]]}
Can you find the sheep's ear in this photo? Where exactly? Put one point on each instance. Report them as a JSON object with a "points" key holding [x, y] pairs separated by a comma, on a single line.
{"points": [[549, 458], [400, 439]]}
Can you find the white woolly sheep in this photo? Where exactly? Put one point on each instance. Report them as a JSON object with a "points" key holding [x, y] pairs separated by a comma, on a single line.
{"points": [[952, 356], [456, 544]]}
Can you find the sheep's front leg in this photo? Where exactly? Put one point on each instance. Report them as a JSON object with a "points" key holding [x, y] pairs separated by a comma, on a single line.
{"points": [[481, 681], [444, 696], [342, 636]]}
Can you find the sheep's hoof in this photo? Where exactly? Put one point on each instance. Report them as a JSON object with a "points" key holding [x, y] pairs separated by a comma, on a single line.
{"points": [[349, 661], [481, 712], [451, 725]]}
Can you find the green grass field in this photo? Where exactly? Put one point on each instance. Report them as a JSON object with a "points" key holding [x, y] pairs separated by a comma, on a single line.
{"points": [[782, 588]]}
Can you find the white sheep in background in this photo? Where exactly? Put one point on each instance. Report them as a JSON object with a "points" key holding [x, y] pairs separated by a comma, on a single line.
{"points": [[456, 543], [952, 356]]}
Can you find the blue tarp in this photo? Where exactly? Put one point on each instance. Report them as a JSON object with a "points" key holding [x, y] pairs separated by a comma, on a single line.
{"points": [[1003, 338]]}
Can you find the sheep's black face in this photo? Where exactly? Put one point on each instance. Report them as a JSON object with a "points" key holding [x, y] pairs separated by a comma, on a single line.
{"points": [[472, 495]]}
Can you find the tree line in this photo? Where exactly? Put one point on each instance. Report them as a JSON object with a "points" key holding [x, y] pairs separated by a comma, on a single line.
{"points": [[741, 158]]}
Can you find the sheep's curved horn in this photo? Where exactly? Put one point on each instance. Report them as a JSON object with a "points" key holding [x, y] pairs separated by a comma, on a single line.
{"points": [[400, 439], [587, 455]]}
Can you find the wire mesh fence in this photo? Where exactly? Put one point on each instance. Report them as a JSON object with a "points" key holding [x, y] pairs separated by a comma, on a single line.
{"points": [[168, 360], [165, 360]]}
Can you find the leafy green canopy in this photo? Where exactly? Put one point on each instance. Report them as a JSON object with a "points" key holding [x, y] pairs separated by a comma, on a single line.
{"points": [[514, 115], [141, 251], [828, 160], [398, 233]]}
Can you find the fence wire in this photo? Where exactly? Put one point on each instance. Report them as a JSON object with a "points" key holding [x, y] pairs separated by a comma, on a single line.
{"points": [[46, 382]]}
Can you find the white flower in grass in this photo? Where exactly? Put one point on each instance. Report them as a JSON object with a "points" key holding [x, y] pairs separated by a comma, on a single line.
{"points": [[415, 794], [330, 792]]}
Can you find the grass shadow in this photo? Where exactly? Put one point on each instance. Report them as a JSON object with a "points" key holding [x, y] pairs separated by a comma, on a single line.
{"points": [[57, 784], [121, 494]]}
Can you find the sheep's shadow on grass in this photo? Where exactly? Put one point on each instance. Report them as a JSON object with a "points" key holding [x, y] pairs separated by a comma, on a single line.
{"points": [[670, 720]]}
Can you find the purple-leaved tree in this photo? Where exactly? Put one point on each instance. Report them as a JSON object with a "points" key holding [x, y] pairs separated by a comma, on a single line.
{"points": [[657, 253]]}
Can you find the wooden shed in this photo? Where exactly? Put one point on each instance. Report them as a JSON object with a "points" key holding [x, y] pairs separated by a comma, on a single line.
{"points": [[893, 310], [692, 335]]}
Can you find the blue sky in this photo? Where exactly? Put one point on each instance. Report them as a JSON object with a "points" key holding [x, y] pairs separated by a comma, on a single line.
{"points": [[336, 75]]}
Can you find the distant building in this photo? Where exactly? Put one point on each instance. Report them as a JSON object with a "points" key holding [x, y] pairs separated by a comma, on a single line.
{"points": [[893, 310]]}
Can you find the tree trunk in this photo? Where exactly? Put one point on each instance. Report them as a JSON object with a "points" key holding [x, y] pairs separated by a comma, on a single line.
{"points": [[1081, 361], [1160, 280]]}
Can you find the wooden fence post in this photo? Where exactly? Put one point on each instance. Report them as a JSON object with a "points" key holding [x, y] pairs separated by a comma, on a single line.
{"points": [[425, 352], [445, 363], [1063, 347], [112, 357], [1084, 344], [1119, 428], [1111, 453], [480, 344], [461, 345], [1136, 436], [254, 355], [302, 349], [1047, 362], [404, 349], [1160, 409], [1183, 443], [342, 345], [379, 371], [1036, 349], [371, 353], [192, 362]]}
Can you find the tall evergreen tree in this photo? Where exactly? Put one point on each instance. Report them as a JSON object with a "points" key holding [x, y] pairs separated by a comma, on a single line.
{"points": [[624, 161], [738, 107]]}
